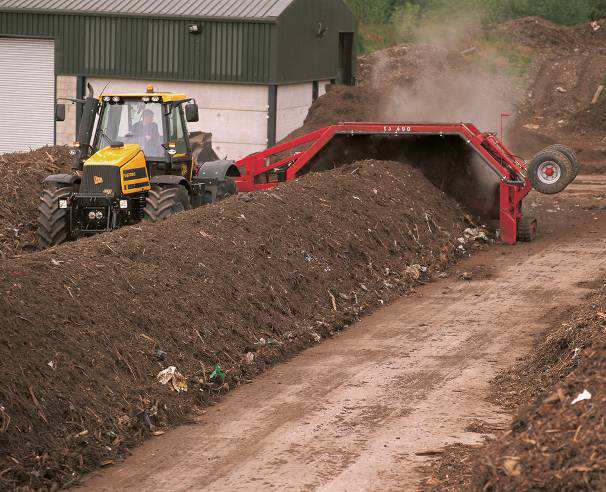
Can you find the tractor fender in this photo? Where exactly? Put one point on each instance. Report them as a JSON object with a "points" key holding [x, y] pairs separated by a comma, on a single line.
{"points": [[66, 179], [216, 171], [170, 180]]}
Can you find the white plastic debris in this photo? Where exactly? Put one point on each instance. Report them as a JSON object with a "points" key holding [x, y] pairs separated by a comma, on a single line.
{"points": [[414, 271], [261, 343], [475, 233], [171, 375], [585, 395], [595, 26]]}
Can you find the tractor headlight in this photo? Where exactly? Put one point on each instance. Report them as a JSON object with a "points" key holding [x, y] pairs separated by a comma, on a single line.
{"points": [[155, 99], [145, 99], [172, 151], [123, 204], [62, 203], [107, 99], [91, 215], [99, 215], [115, 99]]}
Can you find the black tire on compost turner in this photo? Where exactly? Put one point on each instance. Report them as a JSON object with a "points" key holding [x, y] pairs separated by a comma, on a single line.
{"points": [[551, 171], [527, 229], [568, 152]]}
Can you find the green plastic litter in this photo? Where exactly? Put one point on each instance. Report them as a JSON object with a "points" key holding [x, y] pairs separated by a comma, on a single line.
{"points": [[218, 373]]}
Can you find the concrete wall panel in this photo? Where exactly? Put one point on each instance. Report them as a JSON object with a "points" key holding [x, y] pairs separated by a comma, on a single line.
{"points": [[293, 105]]}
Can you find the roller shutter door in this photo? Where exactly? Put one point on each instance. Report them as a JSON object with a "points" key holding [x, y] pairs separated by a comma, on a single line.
{"points": [[27, 94]]}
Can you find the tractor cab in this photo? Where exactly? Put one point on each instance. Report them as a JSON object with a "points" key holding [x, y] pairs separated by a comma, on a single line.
{"points": [[156, 122]]}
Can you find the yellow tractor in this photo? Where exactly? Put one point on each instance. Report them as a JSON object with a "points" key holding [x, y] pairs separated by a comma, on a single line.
{"points": [[134, 160]]}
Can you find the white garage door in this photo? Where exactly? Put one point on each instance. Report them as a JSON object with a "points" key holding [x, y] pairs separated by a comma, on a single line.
{"points": [[27, 94]]}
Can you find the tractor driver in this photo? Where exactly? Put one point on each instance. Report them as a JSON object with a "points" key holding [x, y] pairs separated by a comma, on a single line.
{"points": [[148, 135]]}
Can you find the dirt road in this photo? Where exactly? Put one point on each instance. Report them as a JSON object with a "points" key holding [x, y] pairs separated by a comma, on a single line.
{"points": [[361, 411]]}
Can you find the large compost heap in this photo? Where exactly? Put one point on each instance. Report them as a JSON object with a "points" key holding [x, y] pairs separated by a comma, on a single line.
{"points": [[86, 327]]}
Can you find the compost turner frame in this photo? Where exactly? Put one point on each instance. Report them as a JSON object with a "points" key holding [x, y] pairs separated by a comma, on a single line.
{"points": [[264, 170]]}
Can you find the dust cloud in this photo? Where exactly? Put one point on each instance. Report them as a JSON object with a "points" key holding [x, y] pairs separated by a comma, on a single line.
{"points": [[477, 98], [443, 83]]}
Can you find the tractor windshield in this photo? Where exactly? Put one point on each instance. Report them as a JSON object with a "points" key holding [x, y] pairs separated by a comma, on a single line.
{"points": [[133, 122]]}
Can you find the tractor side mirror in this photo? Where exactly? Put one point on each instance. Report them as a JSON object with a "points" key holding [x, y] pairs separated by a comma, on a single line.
{"points": [[60, 112], [191, 113]]}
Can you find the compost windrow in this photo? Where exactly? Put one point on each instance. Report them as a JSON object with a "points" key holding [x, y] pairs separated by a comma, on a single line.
{"points": [[87, 326], [21, 176]]}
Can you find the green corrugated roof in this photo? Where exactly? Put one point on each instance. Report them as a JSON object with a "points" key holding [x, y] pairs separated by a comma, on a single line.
{"points": [[243, 9]]}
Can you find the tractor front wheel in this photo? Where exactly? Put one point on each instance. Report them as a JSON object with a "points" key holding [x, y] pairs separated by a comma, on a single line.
{"points": [[53, 221], [165, 201]]}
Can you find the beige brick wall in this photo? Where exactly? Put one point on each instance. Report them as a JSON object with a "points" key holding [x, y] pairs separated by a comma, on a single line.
{"points": [[66, 130]]}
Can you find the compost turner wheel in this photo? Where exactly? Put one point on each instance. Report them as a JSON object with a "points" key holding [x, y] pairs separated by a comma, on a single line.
{"points": [[527, 229], [551, 171]]}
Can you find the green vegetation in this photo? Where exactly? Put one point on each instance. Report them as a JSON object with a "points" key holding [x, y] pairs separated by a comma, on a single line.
{"points": [[387, 22]]}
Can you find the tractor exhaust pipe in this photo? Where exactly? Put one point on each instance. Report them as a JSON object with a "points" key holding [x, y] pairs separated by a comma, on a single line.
{"points": [[87, 123]]}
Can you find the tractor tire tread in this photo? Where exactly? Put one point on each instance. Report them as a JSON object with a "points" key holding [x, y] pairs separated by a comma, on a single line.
{"points": [[52, 221], [163, 202]]}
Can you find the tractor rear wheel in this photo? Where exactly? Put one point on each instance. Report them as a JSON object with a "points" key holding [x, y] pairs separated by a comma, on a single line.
{"points": [[165, 201], [527, 229], [551, 172], [53, 222]]}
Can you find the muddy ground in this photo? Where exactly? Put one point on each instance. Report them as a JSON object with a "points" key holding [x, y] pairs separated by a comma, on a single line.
{"points": [[241, 284]]}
